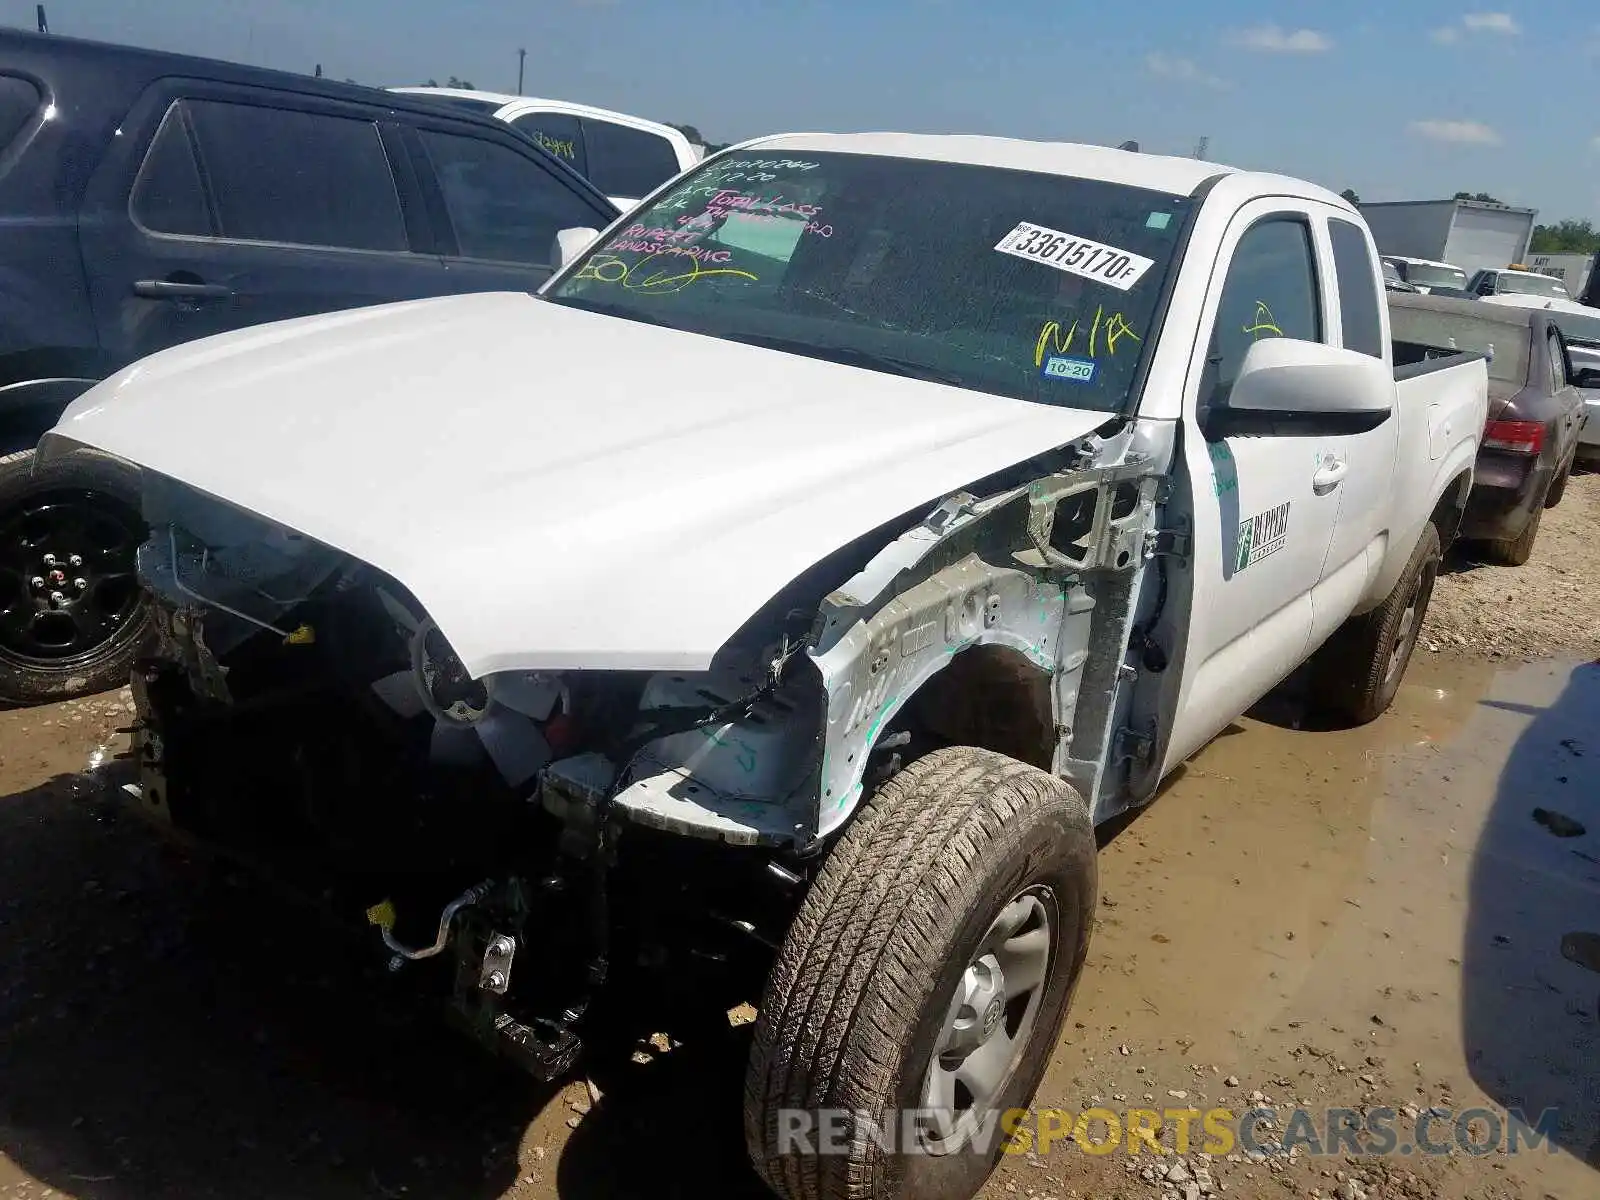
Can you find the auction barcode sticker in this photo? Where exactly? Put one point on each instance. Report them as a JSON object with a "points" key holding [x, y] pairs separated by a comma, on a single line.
{"points": [[1075, 255]]}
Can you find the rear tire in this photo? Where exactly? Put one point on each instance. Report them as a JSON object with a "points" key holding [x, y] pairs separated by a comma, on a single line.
{"points": [[1513, 552], [893, 979], [1356, 674], [1558, 488], [82, 509]]}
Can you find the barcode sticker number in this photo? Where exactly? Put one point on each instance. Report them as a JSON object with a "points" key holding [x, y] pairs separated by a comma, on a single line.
{"points": [[1120, 269]]}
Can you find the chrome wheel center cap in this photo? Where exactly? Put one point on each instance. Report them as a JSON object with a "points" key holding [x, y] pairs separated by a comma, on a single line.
{"points": [[991, 1017]]}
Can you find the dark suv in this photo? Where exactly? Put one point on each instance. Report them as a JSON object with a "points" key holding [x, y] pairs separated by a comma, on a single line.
{"points": [[149, 199]]}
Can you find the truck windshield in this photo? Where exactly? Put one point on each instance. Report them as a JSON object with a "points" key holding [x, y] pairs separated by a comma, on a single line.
{"points": [[1533, 285], [1034, 286], [1423, 275]]}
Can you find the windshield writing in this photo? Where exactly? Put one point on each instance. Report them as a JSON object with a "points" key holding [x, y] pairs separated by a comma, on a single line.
{"points": [[1032, 286]]}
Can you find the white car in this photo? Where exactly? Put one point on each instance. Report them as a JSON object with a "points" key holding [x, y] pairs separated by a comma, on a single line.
{"points": [[1426, 274], [624, 156], [778, 600], [1526, 289]]}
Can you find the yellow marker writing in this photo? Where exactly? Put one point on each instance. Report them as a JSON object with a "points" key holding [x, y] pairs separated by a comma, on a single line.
{"points": [[1118, 328], [381, 915], [1263, 321], [1050, 339]]}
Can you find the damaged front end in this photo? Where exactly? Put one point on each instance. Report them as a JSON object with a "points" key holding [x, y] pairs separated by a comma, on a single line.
{"points": [[531, 836]]}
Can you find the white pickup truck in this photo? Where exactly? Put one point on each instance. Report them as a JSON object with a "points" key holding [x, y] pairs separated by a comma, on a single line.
{"points": [[781, 598]]}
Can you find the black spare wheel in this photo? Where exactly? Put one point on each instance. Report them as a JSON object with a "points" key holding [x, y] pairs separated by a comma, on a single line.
{"points": [[72, 614], [919, 993]]}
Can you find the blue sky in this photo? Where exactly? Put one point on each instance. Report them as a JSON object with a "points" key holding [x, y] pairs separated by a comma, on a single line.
{"points": [[1400, 101]]}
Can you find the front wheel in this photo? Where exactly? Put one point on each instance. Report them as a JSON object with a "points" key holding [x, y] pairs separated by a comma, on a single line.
{"points": [[72, 614], [920, 990], [1357, 672]]}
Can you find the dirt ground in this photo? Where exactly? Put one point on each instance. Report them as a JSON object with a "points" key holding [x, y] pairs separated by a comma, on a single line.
{"points": [[1552, 601], [1399, 915]]}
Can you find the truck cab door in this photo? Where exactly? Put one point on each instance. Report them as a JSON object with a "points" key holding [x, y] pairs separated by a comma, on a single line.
{"points": [[1266, 498], [1366, 492]]}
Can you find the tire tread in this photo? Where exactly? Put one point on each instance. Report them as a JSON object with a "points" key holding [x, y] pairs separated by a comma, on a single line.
{"points": [[846, 981]]}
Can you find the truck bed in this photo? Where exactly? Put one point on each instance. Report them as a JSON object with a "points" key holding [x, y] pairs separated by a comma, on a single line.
{"points": [[1412, 360]]}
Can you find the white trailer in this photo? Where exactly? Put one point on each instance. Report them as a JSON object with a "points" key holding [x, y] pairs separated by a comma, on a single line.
{"points": [[1471, 234]]}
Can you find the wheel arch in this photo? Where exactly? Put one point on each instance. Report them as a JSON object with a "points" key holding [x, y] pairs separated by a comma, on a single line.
{"points": [[1451, 508]]}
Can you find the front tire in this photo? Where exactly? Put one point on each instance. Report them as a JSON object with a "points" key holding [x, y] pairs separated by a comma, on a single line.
{"points": [[930, 966], [1356, 674], [72, 614]]}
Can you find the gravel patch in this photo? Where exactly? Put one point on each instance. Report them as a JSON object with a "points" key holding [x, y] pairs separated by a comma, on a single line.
{"points": [[1547, 608]]}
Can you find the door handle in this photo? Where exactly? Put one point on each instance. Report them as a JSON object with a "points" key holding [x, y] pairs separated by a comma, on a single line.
{"points": [[1330, 474], [168, 289]]}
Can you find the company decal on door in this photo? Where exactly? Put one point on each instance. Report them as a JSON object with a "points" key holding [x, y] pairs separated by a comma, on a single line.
{"points": [[1262, 535]]}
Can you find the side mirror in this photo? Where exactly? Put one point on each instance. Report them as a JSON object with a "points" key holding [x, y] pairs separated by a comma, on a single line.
{"points": [[572, 242], [1588, 377], [1287, 385]]}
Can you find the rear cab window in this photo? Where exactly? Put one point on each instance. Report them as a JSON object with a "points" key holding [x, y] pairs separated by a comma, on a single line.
{"points": [[1360, 315], [559, 134], [624, 161]]}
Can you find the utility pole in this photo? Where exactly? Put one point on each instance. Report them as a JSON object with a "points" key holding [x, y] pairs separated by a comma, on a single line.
{"points": [[522, 57]]}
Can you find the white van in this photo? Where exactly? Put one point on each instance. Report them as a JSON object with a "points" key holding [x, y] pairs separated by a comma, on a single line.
{"points": [[625, 157]]}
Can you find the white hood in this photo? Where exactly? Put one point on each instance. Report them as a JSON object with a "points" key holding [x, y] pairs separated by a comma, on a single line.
{"points": [[559, 489]]}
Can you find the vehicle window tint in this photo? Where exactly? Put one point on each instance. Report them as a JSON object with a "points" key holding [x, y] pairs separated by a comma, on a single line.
{"points": [[167, 195], [502, 205], [301, 178], [559, 133], [1271, 291], [1358, 290], [627, 162], [890, 264], [19, 100]]}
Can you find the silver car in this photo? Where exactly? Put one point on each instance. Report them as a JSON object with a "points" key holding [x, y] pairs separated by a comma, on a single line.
{"points": [[1583, 348]]}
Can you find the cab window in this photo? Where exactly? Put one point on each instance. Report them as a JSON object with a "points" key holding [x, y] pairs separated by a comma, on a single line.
{"points": [[1358, 291], [1271, 291]]}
